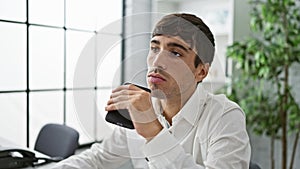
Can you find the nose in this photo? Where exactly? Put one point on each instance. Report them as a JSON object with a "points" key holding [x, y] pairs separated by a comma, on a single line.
{"points": [[159, 60]]}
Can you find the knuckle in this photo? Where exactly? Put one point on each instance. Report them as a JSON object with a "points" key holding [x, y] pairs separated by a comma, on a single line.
{"points": [[130, 86]]}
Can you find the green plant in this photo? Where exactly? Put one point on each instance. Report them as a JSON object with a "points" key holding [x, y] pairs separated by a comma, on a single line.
{"points": [[263, 62]]}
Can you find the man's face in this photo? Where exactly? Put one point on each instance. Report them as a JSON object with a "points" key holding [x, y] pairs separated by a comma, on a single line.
{"points": [[171, 69]]}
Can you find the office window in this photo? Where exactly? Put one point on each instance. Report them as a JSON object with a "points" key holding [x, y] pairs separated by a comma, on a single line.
{"points": [[105, 17], [44, 107], [76, 41], [81, 14], [80, 112], [44, 46], [46, 58], [46, 12], [14, 10], [101, 99], [12, 56], [13, 117], [109, 61]]}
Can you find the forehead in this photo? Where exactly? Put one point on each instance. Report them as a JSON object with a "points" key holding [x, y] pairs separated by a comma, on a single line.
{"points": [[165, 39]]}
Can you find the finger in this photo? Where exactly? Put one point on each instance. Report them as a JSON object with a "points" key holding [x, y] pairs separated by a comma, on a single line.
{"points": [[117, 106], [123, 93], [118, 93], [118, 99], [120, 88], [133, 87], [127, 87]]}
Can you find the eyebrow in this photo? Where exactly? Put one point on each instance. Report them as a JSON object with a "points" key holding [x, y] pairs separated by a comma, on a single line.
{"points": [[172, 44]]}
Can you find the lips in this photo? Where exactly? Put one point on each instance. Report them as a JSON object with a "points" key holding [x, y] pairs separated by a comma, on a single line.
{"points": [[156, 78]]}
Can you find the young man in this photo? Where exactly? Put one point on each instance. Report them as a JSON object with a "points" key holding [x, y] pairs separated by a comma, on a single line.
{"points": [[179, 124]]}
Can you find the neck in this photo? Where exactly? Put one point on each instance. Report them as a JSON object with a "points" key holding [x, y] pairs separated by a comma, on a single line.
{"points": [[171, 106], [170, 109]]}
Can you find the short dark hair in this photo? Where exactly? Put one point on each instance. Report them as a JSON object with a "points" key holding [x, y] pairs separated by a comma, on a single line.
{"points": [[192, 30]]}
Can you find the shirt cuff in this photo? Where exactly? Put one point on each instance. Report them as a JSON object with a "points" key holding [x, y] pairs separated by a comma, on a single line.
{"points": [[162, 150]]}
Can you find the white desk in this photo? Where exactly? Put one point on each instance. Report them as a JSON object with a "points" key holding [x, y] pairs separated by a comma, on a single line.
{"points": [[6, 143], [46, 166]]}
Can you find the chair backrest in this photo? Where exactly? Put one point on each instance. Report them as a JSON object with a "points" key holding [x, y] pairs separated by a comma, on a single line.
{"points": [[253, 165], [56, 140]]}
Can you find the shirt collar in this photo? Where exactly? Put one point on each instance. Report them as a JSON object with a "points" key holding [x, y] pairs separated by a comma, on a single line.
{"points": [[191, 110]]}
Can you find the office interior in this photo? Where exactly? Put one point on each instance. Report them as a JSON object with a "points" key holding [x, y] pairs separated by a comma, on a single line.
{"points": [[60, 59]]}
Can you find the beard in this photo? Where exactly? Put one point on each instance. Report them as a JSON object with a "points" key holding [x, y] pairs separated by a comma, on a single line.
{"points": [[174, 87], [162, 91]]}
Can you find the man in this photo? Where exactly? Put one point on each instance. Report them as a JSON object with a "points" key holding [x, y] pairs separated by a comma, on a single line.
{"points": [[179, 124]]}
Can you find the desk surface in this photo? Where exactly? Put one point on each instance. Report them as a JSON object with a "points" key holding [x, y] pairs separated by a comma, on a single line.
{"points": [[6, 143], [46, 166]]}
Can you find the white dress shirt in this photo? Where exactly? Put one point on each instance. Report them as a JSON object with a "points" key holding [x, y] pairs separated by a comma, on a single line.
{"points": [[209, 132]]}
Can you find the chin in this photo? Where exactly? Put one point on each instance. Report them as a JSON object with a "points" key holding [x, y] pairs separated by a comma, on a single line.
{"points": [[158, 94], [152, 86]]}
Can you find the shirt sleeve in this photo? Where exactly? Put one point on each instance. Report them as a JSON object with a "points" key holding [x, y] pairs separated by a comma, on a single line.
{"points": [[165, 152], [229, 147], [112, 153]]}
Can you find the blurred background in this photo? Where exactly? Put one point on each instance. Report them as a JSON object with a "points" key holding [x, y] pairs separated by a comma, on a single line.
{"points": [[52, 72]]}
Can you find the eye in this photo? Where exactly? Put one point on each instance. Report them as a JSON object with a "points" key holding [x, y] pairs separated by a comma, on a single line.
{"points": [[155, 49], [176, 53]]}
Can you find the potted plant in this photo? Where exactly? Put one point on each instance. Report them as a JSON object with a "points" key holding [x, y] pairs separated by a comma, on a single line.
{"points": [[261, 78]]}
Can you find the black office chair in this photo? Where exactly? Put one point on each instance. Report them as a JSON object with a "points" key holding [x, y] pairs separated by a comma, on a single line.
{"points": [[253, 165], [56, 140]]}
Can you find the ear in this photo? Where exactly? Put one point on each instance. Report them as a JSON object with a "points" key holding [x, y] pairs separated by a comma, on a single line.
{"points": [[201, 72]]}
